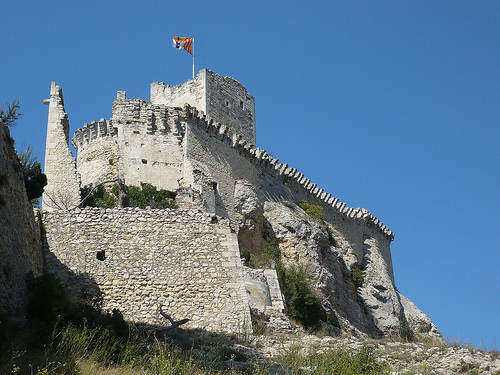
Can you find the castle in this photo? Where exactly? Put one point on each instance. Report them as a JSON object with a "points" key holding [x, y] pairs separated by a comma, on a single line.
{"points": [[197, 140]]}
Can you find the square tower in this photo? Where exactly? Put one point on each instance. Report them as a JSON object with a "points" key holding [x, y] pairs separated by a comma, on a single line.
{"points": [[222, 98]]}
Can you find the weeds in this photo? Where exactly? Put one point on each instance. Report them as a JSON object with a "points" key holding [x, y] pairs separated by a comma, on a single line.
{"points": [[333, 362]]}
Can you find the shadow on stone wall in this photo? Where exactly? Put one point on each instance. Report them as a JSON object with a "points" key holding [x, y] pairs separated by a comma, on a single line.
{"points": [[80, 286]]}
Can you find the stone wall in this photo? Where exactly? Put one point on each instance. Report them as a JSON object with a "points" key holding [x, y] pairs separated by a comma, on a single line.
{"points": [[213, 164], [226, 157], [222, 98], [143, 141], [229, 103], [20, 247], [139, 259]]}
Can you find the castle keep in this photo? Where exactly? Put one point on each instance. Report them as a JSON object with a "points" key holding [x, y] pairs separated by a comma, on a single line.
{"points": [[198, 140]]}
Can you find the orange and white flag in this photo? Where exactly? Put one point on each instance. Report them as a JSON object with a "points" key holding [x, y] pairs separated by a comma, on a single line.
{"points": [[184, 43]]}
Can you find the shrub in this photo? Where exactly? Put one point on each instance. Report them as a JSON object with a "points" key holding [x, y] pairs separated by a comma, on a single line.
{"points": [[357, 276], [405, 333], [332, 361], [259, 321], [98, 198], [300, 302], [269, 257], [313, 210], [143, 196]]}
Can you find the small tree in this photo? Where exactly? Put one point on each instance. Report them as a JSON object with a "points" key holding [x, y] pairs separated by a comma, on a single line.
{"points": [[9, 113], [34, 179]]}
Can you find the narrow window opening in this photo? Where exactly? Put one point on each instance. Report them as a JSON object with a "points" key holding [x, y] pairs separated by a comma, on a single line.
{"points": [[227, 103], [241, 104], [101, 255]]}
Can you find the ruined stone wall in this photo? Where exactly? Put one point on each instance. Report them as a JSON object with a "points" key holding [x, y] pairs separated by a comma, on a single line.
{"points": [[222, 98], [20, 246], [63, 185], [139, 259], [143, 141], [192, 92], [230, 104], [214, 163]]}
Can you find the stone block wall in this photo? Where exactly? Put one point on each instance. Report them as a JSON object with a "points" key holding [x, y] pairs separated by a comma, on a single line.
{"points": [[214, 163], [20, 246], [139, 259], [229, 103], [222, 98]]}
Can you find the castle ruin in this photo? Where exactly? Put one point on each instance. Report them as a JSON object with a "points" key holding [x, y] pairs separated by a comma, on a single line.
{"points": [[198, 140]]}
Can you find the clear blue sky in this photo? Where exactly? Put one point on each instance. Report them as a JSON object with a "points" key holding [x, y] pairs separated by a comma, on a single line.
{"points": [[388, 105]]}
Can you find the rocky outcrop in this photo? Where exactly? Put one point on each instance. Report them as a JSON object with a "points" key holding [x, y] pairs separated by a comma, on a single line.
{"points": [[250, 212], [374, 306], [20, 246]]}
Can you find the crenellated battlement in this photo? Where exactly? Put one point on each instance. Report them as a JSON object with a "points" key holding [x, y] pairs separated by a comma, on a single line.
{"points": [[134, 119], [281, 171], [93, 131]]}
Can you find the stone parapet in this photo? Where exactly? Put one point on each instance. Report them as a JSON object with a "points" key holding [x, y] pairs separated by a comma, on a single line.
{"points": [[281, 171]]}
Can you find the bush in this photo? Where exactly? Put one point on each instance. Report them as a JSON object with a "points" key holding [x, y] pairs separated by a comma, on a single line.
{"points": [[301, 304], [142, 197], [405, 333], [259, 321], [268, 258], [331, 361], [357, 276], [98, 198], [313, 210], [148, 195]]}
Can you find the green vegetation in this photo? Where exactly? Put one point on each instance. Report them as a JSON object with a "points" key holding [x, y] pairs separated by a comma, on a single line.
{"points": [[34, 179], [357, 276], [259, 321], [313, 210], [301, 304], [294, 281], [268, 258], [405, 333], [98, 197], [334, 362], [142, 197], [148, 195]]}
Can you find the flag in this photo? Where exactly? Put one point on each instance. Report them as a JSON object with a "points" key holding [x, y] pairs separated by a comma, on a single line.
{"points": [[184, 43]]}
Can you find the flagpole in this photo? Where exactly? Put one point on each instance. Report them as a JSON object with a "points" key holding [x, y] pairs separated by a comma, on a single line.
{"points": [[193, 58]]}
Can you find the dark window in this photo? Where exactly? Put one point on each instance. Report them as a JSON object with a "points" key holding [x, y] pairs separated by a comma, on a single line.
{"points": [[101, 255]]}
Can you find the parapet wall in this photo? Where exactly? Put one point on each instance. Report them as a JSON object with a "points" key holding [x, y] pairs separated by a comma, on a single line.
{"points": [[139, 259], [281, 172]]}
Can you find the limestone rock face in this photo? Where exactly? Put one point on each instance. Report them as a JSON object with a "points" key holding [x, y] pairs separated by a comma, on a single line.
{"points": [[302, 239], [249, 209], [378, 294], [20, 246], [417, 320], [375, 308]]}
